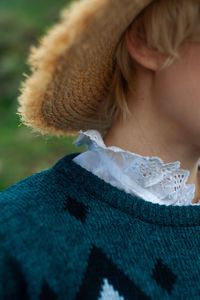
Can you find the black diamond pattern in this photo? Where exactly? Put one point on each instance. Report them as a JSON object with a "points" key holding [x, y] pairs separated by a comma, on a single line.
{"points": [[164, 276], [15, 271], [76, 209], [47, 293]]}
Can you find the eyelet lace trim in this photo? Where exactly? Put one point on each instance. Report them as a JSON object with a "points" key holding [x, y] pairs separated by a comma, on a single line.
{"points": [[146, 176]]}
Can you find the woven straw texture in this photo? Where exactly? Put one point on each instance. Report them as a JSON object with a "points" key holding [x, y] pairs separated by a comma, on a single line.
{"points": [[72, 67]]}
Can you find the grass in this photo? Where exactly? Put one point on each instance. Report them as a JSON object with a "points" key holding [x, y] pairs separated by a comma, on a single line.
{"points": [[23, 153]]}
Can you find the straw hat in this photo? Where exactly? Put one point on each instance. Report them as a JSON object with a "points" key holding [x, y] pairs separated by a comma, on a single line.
{"points": [[73, 65]]}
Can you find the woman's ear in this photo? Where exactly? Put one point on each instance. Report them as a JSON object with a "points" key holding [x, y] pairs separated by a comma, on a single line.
{"points": [[150, 59]]}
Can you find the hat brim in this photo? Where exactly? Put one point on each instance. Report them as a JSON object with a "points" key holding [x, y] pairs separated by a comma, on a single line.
{"points": [[72, 67]]}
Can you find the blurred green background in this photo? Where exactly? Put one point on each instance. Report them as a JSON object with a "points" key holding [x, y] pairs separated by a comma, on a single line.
{"points": [[22, 153]]}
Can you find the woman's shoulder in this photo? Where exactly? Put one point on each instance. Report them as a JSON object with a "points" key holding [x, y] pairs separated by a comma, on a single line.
{"points": [[42, 191], [33, 207], [40, 227], [27, 188]]}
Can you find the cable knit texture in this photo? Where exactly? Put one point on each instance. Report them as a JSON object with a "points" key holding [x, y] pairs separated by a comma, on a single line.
{"points": [[144, 176], [67, 234]]}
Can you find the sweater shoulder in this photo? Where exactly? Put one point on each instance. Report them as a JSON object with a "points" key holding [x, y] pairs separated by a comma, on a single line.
{"points": [[25, 192], [25, 187], [41, 230], [42, 191], [39, 182]]}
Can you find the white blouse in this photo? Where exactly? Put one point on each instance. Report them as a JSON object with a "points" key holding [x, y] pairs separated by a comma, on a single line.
{"points": [[147, 177]]}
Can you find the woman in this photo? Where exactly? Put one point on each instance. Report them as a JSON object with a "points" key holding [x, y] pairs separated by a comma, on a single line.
{"points": [[120, 220]]}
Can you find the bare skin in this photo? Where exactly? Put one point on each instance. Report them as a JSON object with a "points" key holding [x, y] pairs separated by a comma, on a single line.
{"points": [[165, 119]]}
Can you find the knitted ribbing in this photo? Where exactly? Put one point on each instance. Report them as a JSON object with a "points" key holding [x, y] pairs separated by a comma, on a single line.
{"points": [[67, 234], [136, 207]]}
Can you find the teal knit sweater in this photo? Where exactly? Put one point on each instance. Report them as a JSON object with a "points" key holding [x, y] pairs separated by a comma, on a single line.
{"points": [[66, 234]]}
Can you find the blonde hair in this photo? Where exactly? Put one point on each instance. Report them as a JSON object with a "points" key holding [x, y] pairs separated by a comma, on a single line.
{"points": [[164, 25]]}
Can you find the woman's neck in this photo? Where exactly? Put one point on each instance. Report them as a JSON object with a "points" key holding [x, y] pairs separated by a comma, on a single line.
{"points": [[146, 134]]}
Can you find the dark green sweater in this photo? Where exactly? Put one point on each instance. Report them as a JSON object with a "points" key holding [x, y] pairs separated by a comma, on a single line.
{"points": [[66, 234]]}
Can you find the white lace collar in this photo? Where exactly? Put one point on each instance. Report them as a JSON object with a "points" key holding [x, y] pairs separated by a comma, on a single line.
{"points": [[148, 177]]}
